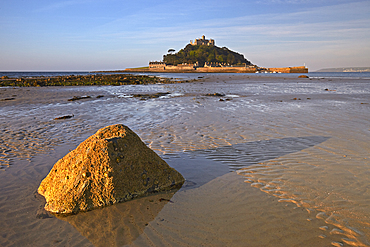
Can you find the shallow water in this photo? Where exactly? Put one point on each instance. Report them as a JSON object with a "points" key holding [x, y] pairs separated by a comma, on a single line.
{"points": [[300, 152]]}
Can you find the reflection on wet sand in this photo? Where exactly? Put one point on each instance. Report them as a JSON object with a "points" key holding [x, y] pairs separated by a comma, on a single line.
{"points": [[119, 224]]}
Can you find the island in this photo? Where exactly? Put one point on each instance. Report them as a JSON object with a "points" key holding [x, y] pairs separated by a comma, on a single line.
{"points": [[202, 55]]}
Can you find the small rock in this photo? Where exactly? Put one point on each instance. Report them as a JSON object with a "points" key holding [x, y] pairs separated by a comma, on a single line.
{"points": [[215, 94], [79, 98], [150, 96], [64, 117], [303, 76], [7, 99]]}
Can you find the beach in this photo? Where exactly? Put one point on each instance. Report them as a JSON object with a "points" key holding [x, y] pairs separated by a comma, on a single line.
{"points": [[268, 161]]}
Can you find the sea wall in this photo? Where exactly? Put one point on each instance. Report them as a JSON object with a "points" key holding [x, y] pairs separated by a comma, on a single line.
{"points": [[299, 69], [180, 67], [191, 69], [226, 69]]}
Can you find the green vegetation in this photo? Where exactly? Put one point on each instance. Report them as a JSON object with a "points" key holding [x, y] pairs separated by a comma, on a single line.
{"points": [[203, 53], [146, 67], [88, 80]]}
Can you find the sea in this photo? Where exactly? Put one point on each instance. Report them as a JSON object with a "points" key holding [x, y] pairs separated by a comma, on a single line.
{"points": [[355, 75]]}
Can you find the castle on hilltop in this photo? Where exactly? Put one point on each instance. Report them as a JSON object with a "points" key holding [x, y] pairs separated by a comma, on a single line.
{"points": [[203, 41], [211, 59]]}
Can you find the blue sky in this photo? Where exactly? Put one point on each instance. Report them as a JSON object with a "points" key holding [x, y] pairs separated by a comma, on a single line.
{"points": [[86, 35]]}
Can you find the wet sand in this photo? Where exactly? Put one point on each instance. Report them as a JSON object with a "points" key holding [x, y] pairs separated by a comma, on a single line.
{"points": [[276, 162]]}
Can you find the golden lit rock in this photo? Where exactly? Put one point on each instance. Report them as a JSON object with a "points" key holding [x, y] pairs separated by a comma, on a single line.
{"points": [[111, 166]]}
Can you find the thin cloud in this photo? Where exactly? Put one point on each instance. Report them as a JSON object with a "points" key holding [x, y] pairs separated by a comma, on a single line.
{"points": [[60, 5], [294, 25], [283, 1]]}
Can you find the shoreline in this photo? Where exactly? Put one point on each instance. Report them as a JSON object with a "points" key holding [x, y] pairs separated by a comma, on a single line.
{"points": [[18, 95], [188, 71], [236, 70]]}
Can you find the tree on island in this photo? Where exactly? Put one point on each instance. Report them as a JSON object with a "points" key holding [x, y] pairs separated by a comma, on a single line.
{"points": [[203, 53]]}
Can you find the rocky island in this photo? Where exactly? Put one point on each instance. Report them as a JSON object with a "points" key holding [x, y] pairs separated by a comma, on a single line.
{"points": [[203, 55]]}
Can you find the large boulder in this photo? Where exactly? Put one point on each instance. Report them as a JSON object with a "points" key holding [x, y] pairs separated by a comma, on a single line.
{"points": [[111, 166]]}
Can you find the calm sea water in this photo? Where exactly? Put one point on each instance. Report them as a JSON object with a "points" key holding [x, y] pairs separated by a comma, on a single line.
{"points": [[357, 75]]}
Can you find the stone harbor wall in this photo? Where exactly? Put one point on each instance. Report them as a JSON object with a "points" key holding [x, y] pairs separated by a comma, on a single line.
{"points": [[299, 69]]}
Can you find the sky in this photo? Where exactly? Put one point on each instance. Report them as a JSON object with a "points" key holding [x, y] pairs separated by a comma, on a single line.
{"points": [[88, 35]]}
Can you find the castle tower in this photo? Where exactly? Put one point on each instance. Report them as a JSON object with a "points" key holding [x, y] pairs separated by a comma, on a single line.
{"points": [[203, 41]]}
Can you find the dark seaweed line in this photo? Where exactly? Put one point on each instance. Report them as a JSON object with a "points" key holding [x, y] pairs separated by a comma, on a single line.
{"points": [[87, 80]]}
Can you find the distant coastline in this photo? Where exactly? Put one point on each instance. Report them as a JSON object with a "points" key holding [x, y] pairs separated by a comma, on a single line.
{"points": [[347, 69]]}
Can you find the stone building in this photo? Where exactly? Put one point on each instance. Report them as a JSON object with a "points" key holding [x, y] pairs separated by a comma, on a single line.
{"points": [[203, 41], [157, 65]]}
